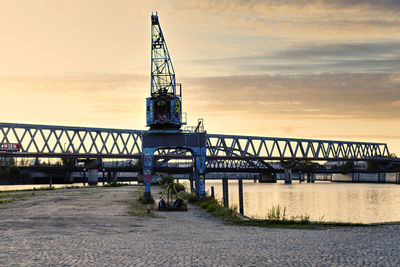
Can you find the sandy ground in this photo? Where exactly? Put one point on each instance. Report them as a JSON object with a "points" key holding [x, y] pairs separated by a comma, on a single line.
{"points": [[92, 227]]}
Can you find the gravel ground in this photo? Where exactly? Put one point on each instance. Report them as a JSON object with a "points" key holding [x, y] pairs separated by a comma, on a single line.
{"points": [[91, 227]]}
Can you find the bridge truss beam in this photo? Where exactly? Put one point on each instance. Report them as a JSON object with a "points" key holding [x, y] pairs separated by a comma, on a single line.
{"points": [[273, 148], [222, 150]]}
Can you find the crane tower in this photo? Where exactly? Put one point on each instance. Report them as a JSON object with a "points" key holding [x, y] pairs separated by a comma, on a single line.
{"points": [[164, 116], [164, 107]]}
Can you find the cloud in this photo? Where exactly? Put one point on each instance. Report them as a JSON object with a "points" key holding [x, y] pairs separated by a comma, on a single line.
{"points": [[254, 6], [396, 103], [326, 95], [104, 94], [313, 20], [306, 58]]}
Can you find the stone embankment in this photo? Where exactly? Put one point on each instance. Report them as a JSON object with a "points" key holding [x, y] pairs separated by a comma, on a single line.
{"points": [[91, 227]]}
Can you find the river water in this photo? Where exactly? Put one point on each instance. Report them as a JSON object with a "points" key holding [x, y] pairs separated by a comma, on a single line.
{"points": [[329, 201]]}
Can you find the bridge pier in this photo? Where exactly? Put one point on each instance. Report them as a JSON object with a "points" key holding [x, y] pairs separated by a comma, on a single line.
{"points": [[69, 178], [288, 176], [310, 177], [115, 176], [92, 165], [93, 178], [355, 177], [267, 178]]}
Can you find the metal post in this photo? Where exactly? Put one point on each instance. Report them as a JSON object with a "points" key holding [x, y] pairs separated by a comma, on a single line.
{"points": [[51, 180], [225, 192], [84, 177], [241, 196], [104, 175], [212, 192], [191, 182]]}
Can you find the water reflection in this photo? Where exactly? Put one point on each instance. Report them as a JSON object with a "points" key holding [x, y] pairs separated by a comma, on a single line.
{"points": [[346, 202]]}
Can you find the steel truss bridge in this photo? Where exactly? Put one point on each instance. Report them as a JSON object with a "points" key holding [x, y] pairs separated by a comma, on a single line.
{"points": [[226, 152]]}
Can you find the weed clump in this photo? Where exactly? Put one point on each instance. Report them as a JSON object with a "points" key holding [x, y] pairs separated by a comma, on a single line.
{"points": [[148, 199], [139, 208], [169, 180], [114, 184], [189, 197], [275, 213], [212, 206]]}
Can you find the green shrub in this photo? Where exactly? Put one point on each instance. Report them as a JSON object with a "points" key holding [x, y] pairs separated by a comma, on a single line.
{"points": [[205, 204], [143, 200], [213, 207], [189, 197], [179, 187], [166, 180]]}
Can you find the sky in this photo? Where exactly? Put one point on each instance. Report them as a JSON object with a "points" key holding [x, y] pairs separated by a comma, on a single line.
{"points": [[291, 68]]}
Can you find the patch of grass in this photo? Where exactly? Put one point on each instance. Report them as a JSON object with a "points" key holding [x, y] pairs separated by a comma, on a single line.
{"points": [[115, 184], [17, 195], [208, 203], [31, 189], [10, 197], [138, 209], [277, 219], [191, 197], [295, 224], [3, 201], [16, 190], [143, 200], [212, 206], [44, 188], [228, 214]]}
